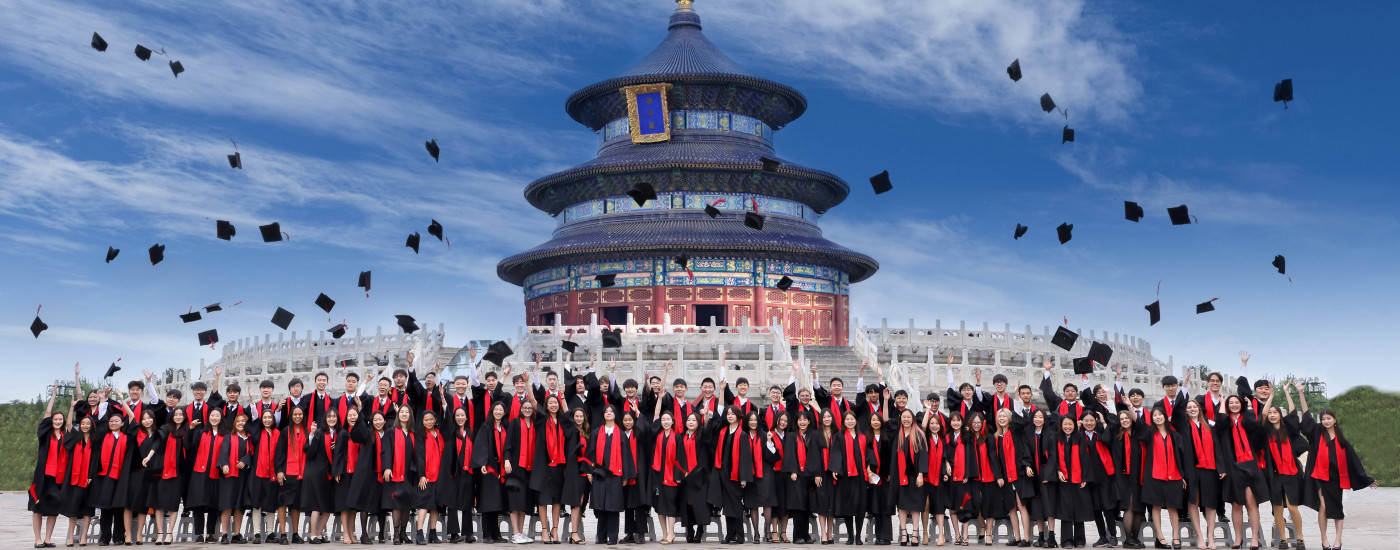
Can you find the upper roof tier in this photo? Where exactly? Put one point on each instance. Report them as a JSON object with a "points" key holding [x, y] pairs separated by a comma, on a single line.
{"points": [[688, 60]]}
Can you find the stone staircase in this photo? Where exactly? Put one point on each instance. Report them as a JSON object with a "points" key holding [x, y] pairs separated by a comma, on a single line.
{"points": [[833, 361]]}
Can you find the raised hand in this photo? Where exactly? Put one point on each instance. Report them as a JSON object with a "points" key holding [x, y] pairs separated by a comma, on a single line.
{"points": [[1244, 359], [471, 354], [1298, 386], [1048, 365], [977, 375], [863, 365], [950, 359], [409, 358]]}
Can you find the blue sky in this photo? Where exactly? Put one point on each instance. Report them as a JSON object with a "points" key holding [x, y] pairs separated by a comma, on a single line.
{"points": [[330, 104]]}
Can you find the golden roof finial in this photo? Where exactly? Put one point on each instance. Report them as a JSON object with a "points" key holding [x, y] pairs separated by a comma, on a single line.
{"points": [[683, 5]]}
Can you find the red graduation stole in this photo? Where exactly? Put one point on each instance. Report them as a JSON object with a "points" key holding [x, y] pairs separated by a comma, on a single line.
{"points": [[233, 441], [1008, 455], [398, 466], [383, 405], [959, 459], [614, 454], [984, 466], [1243, 453], [1283, 456], [554, 441], [935, 460], [777, 444], [1204, 442], [526, 460], [352, 454], [756, 449], [875, 442], [170, 467], [296, 452], [266, 448], [1164, 467], [1072, 471], [853, 468], [471, 412], [432, 447], [57, 459], [906, 455], [514, 411], [664, 457], [1322, 469], [802, 452], [500, 438], [464, 449], [736, 437], [1167, 404], [135, 410], [1000, 402], [770, 415], [203, 457], [81, 464], [1078, 409]]}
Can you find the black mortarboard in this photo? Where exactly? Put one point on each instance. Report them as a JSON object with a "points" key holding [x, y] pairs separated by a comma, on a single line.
{"points": [[1100, 353], [412, 242], [111, 370], [406, 323], [190, 317], [683, 260], [337, 331], [1154, 312], [1064, 230], [568, 346], [209, 337], [157, 253], [769, 165], [143, 52], [211, 308], [712, 211], [98, 43], [235, 160], [112, 254], [754, 220], [1278, 263], [1132, 211], [1046, 103], [432, 148], [517, 483], [612, 338], [1014, 71], [1083, 365], [176, 68], [1064, 338], [1283, 91], [271, 233], [497, 352], [435, 229], [606, 280], [282, 318], [225, 230], [881, 182], [784, 283], [642, 192], [364, 281], [1205, 306], [1020, 231], [37, 326], [1068, 135], [1179, 215], [325, 302]]}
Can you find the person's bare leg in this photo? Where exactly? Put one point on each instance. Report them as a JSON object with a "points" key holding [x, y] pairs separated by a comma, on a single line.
{"points": [[1237, 517], [1322, 518], [1253, 505], [1297, 520]]}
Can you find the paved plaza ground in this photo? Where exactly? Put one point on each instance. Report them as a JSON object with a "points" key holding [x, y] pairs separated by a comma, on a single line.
{"points": [[1373, 522]]}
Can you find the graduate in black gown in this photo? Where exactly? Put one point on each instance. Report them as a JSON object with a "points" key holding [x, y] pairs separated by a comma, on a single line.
{"points": [[431, 489], [318, 486], [1203, 477], [488, 451], [880, 437], [547, 477], [937, 487], [636, 498], [576, 488], [1163, 461], [668, 466], [345, 467], [289, 459], [1067, 470], [851, 466], [823, 491], [108, 491], [366, 490], [1246, 487], [460, 439], [759, 493], [964, 490], [612, 469], [695, 506], [145, 465], [519, 463], [1333, 466], [234, 462], [909, 474], [1285, 473], [1030, 487], [76, 479], [164, 497], [733, 471], [49, 465]]}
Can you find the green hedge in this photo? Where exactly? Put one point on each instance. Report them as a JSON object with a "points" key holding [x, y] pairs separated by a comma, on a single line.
{"points": [[18, 446], [1367, 417]]}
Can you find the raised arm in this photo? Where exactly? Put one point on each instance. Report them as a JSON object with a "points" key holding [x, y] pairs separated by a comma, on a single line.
{"points": [[1052, 399], [1302, 399]]}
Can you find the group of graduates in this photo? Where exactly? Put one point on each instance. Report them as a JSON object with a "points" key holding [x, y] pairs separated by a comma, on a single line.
{"points": [[397, 460]]}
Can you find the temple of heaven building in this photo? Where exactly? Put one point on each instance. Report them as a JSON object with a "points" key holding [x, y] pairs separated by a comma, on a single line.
{"points": [[693, 124]]}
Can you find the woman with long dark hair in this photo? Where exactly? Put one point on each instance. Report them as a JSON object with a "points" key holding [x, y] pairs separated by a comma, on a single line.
{"points": [[612, 469], [576, 488], [49, 466], [964, 478], [290, 463], [260, 489], [1067, 471], [759, 493], [317, 486], [1204, 475], [399, 461], [881, 449], [519, 462], [823, 492], [1285, 474], [463, 482], [345, 467], [1127, 478], [635, 497], [733, 471], [1244, 439], [773, 449], [909, 475], [1163, 461], [936, 488], [547, 478], [145, 468], [164, 497], [1333, 466], [366, 492], [1003, 447], [851, 466], [488, 452], [801, 466], [1030, 486], [430, 453], [669, 462], [76, 479], [202, 494], [695, 504], [235, 456]]}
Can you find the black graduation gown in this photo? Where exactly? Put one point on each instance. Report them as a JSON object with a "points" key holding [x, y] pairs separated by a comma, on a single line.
{"points": [[202, 493], [613, 468], [44, 488], [1073, 501], [999, 499], [726, 480], [1245, 474], [1202, 480], [107, 491], [637, 495], [879, 497], [169, 462], [694, 504], [366, 486], [432, 460], [1167, 493], [850, 490], [575, 488], [761, 492], [1029, 484], [797, 492], [289, 446], [143, 478], [487, 450], [545, 480], [401, 490], [1330, 488], [344, 468], [78, 476], [317, 487], [234, 449], [1281, 450], [519, 496], [672, 464], [964, 493]]}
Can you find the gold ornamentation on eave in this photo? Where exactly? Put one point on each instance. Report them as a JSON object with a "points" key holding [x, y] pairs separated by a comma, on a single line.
{"points": [[634, 121]]}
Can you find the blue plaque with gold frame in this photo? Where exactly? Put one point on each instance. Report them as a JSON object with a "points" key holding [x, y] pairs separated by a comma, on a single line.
{"points": [[647, 113]]}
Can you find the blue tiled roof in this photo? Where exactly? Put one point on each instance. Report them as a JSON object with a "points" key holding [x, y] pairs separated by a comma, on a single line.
{"points": [[624, 235], [686, 56], [679, 153]]}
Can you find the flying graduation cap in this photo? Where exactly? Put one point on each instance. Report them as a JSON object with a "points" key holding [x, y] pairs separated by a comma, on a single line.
{"points": [[1206, 306], [497, 352], [432, 148], [1154, 312], [98, 43], [435, 229], [1180, 215], [111, 370], [1014, 71], [769, 165], [209, 337], [881, 182], [325, 302], [176, 68], [711, 211], [271, 233], [1132, 211], [364, 282], [143, 53], [754, 220], [157, 253], [407, 323], [38, 325], [1100, 353], [112, 254], [211, 308], [1020, 232], [225, 230], [1279, 264], [1046, 103], [337, 331], [190, 317], [1064, 338], [1283, 91], [568, 346], [412, 242], [1067, 136], [642, 192], [1083, 365], [684, 261], [606, 280], [236, 160], [784, 283], [1064, 232], [282, 318], [612, 338]]}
